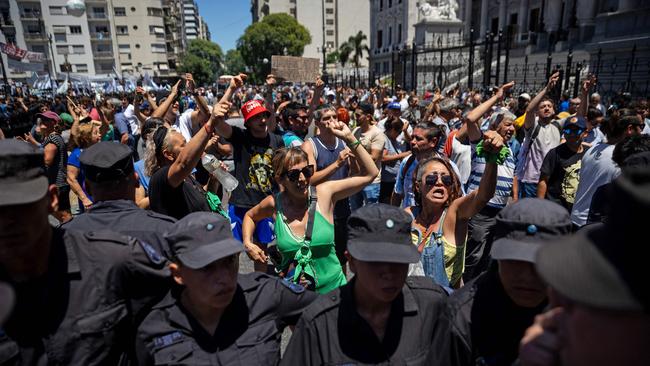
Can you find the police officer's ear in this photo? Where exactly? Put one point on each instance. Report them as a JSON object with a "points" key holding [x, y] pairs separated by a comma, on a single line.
{"points": [[176, 273], [53, 196]]}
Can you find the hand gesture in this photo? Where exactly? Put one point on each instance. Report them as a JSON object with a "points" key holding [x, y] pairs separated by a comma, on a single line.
{"points": [[503, 89], [343, 157], [319, 84], [28, 138], [553, 80], [175, 87], [492, 141], [255, 253], [339, 89], [139, 90], [189, 83], [238, 81], [589, 83], [270, 80], [220, 110], [540, 345], [340, 130]]}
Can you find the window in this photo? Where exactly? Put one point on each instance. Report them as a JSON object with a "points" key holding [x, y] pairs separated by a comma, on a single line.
{"points": [[78, 49], [133, 8], [38, 48], [381, 5], [330, 45], [329, 11], [81, 67], [329, 1], [60, 37], [292, 12], [154, 29], [122, 30], [329, 21], [390, 3], [330, 32], [389, 41], [120, 12], [57, 10], [75, 29], [59, 29], [124, 48], [62, 49], [158, 48], [154, 12], [380, 35], [399, 33], [135, 27]]}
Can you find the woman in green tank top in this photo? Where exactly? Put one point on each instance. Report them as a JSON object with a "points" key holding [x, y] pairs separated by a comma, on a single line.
{"points": [[290, 209]]}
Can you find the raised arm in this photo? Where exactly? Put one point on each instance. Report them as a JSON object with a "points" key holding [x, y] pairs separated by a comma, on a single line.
{"points": [[324, 175], [136, 105], [191, 153], [315, 100], [531, 110], [470, 204], [203, 113], [271, 122], [262, 210], [343, 188], [584, 95], [473, 130], [161, 111]]}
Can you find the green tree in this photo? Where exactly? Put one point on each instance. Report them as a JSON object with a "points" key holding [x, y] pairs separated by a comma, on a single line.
{"points": [[203, 59], [333, 57], [358, 47], [234, 63], [276, 34], [345, 49]]}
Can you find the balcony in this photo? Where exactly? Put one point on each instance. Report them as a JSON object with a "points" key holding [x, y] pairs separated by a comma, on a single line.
{"points": [[97, 17], [29, 17], [102, 55], [34, 37], [100, 36]]}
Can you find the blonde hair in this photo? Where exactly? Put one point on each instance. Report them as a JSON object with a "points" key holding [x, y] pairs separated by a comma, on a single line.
{"points": [[85, 137], [151, 157]]}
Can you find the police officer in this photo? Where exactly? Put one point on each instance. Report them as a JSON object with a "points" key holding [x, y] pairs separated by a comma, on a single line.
{"points": [[216, 316], [109, 175], [488, 316], [77, 295], [380, 316]]}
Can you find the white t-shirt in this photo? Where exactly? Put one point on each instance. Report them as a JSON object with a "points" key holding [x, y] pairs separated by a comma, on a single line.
{"points": [[184, 124], [548, 137], [129, 114], [382, 126], [597, 168], [461, 155], [373, 139]]}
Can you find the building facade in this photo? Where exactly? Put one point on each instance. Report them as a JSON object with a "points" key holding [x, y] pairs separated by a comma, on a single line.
{"points": [[105, 38], [329, 22]]}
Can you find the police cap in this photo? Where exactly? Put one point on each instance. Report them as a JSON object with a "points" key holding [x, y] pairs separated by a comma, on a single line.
{"points": [[201, 238], [22, 173], [106, 161]]}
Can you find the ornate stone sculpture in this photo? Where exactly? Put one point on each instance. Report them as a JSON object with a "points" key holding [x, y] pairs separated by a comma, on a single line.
{"points": [[442, 10]]}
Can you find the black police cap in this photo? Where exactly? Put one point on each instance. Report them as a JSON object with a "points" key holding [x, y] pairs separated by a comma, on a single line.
{"points": [[106, 161], [22, 173]]}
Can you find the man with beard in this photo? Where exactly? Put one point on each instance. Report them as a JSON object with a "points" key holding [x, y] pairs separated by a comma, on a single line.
{"points": [[511, 288]]}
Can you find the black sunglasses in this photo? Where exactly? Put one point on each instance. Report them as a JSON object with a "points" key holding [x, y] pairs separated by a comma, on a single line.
{"points": [[432, 179], [294, 174]]}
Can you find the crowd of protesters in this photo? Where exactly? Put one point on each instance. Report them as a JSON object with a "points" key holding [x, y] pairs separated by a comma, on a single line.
{"points": [[385, 227]]}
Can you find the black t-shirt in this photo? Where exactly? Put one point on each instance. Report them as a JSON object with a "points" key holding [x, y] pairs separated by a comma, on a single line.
{"points": [[562, 167], [176, 202], [253, 167]]}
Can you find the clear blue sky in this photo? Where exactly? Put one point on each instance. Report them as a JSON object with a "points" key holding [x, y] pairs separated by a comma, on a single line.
{"points": [[226, 19]]}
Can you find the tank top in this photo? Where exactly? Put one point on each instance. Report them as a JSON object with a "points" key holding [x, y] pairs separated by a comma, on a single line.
{"points": [[325, 156], [318, 258]]}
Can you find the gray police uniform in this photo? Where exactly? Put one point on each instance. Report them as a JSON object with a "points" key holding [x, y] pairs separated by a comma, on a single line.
{"points": [[125, 217], [248, 333], [84, 309], [331, 332]]}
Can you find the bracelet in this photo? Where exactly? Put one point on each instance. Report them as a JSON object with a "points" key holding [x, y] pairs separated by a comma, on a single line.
{"points": [[353, 145], [498, 158]]}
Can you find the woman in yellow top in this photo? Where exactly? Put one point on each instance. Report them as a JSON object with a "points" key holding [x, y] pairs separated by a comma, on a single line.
{"points": [[442, 214], [315, 260]]}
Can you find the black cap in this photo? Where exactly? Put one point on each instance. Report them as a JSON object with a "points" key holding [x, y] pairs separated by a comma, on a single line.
{"points": [[201, 238], [22, 173], [604, 265], [381, 233], [366, 108], [522, 227], [106, 161], [7, 301]]}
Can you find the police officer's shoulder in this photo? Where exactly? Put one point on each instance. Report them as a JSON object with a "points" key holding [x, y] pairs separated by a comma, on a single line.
{"points": [[159, 216], [425, 286], [323, 306]]}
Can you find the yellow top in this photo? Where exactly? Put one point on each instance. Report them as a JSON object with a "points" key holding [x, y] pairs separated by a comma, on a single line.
{"points": [[454, 257]]}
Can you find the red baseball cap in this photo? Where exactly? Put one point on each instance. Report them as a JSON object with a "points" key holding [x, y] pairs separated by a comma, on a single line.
{"points": [[50, 115], [253, 108]]}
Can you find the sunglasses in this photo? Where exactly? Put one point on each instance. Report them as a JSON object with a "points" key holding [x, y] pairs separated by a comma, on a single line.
{"points": [[575, 131], [432, 179], [294, 174]]}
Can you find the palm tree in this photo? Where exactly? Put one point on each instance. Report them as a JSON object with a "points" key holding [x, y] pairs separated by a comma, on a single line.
{"points": [[356, 43], [345, 49]]}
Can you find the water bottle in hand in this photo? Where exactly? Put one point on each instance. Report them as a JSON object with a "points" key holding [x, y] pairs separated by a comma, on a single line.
{"points": [[213, 166]]}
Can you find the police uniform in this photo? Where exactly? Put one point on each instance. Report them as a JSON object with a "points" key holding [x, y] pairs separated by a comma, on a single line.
{"points": [[483, 323], [332, 332], [250, 328], [106, 162], [82, 310]]}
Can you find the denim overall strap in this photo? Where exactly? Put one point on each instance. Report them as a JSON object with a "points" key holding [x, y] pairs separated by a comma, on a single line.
{"points": [[433, 256]]}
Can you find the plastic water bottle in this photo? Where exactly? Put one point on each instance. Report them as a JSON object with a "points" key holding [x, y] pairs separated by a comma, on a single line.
{"points": [[213, 166]]}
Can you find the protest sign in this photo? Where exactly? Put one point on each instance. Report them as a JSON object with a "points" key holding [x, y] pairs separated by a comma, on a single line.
{"points": [[296, 69]]}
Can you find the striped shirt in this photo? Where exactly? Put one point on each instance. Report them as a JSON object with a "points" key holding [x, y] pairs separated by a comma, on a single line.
{"points": [[505, 174]]}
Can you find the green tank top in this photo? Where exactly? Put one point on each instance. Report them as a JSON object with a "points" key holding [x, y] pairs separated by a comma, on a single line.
{"points": [[318, 258]]}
